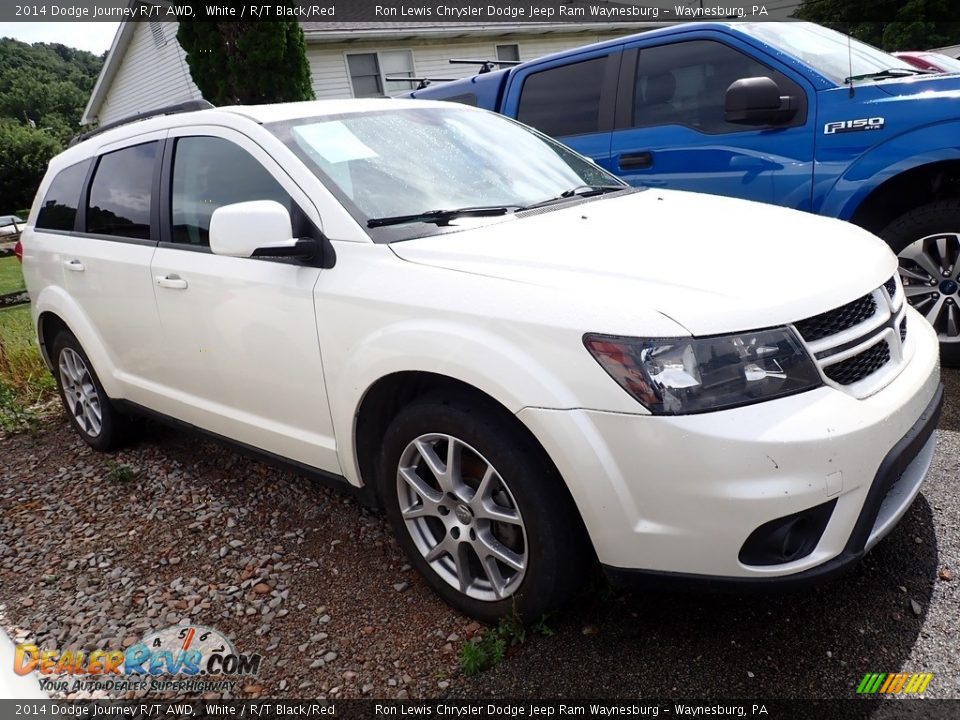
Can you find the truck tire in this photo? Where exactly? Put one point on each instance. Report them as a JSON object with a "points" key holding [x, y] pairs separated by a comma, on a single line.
{"points": [[927, 242]]}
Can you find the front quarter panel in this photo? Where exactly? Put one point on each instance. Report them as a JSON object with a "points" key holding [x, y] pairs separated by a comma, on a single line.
{"points": [[522, 345]]}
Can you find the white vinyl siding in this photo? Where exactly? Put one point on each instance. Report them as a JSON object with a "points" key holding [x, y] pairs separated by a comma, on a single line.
{"points": [[149, 76], [331, 77]]}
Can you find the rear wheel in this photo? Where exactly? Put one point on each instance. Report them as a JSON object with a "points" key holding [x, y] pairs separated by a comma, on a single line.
{"points": [[83, 397], [927, 243], [479, 512]]}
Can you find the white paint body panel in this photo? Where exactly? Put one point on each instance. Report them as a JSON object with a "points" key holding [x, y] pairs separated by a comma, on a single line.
{"points": [[279, 356]]}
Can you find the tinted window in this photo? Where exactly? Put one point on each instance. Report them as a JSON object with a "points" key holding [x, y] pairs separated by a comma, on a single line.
{"points": [[59, 208], [686, 84], [120, 194], [564, 100], [208, 173]]}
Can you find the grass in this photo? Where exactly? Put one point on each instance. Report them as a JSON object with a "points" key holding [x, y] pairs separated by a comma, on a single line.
{"points": [[24, 379], [489, 649], [11, 279], [118, 473]]}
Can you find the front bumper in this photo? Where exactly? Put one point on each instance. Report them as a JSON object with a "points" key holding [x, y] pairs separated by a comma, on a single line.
{"points": [[677, 497]]}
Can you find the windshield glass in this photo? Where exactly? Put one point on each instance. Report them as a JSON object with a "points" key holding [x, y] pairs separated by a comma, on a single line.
{"points": [[949, 64], [408, 161], [9, 220], [825, 50]]}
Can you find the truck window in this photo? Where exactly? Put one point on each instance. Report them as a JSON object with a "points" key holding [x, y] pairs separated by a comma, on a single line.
{"points": [[564, 100], [685, 83]]}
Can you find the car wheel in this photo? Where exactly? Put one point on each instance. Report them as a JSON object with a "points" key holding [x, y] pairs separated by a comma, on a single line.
{"points": [[83, 397], [479, 510], [927, 243]]}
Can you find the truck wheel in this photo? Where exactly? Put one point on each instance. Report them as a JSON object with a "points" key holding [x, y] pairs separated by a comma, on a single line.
{"points": [[927, 241], [83, 397], [479, 512]]}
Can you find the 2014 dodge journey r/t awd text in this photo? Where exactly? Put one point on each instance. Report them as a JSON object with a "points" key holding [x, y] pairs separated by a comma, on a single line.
{"points": [[530, 366]]}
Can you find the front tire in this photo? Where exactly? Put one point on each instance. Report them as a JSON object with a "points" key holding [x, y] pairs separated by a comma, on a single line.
{"points": [[84, 399], [927, 243], [479, 511]]}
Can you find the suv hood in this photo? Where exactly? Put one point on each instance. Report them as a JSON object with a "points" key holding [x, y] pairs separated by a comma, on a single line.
{"points": [[710, 263]]}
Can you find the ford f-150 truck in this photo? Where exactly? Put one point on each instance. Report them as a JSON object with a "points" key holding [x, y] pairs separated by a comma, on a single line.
{"points": [[787, 113]]}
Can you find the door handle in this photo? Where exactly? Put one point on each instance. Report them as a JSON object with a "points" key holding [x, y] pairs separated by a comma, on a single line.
{"points": [[174, 282], [636, 161], [74, 265]]}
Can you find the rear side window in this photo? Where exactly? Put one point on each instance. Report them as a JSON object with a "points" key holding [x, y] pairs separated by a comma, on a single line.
{"points": [[120, 194], [564, 100], [59, 208], [208, 173]]}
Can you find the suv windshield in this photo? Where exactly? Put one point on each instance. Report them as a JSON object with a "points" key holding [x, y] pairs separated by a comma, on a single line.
{"points": [[397, 171], [832, 54]]}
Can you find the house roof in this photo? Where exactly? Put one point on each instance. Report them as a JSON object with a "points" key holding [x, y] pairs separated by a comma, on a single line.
{"points": [[330, 32]]}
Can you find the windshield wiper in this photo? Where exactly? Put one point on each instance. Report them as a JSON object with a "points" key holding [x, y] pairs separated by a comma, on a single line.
{"points": [[888, 73], [441, 217], [579, 191]]}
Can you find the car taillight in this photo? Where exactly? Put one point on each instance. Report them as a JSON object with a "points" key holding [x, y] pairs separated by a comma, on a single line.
{"points": [[18, 251]]}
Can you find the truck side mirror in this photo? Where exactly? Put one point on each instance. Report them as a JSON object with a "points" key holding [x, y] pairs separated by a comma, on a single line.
{"points": [[757, 101]]}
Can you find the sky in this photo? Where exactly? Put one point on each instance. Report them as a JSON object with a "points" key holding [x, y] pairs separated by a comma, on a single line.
{"points": [[93, 36]]}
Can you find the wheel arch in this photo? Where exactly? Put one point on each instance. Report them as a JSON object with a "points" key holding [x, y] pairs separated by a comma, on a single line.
{"points": [[387, 396], [907, 191], [55, 311]]}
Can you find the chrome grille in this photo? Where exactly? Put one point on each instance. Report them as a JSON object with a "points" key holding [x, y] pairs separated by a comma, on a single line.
{"points": [[838, 320], [860, 346], [856, 368]]}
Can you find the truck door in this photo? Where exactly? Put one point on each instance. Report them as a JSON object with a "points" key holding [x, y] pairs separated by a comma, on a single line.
{"points": [[670, 129], [571, 98]]}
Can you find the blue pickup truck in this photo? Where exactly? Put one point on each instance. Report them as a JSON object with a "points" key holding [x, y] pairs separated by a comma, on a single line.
{"points": [[787, 113]]}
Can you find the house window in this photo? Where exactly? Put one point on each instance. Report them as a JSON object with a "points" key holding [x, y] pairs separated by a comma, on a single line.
{"points": [[508, 52], [369, 72]]}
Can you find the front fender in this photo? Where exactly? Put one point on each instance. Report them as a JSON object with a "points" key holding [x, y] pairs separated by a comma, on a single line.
{"points": [[54, 299], [489, 362], [909, 150]]}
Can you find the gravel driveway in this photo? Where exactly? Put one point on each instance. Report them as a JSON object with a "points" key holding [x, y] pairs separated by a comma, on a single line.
{"points": [[94, 556]]}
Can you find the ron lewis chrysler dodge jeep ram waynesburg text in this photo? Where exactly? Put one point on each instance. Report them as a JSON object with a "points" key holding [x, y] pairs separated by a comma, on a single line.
{"points": [[530, 365]]}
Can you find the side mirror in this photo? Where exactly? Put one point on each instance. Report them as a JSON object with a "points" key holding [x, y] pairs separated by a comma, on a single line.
{"points": [[757, 101], [259, 228]]}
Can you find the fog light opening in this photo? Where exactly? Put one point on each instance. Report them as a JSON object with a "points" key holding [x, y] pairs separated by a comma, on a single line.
{"points": [[787, 539]]}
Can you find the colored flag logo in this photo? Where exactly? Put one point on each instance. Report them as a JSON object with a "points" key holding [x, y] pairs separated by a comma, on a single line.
{"points": [[894, 683]]}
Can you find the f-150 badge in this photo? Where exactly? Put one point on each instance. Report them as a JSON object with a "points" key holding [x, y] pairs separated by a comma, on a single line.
{"points": [[845, 126]]}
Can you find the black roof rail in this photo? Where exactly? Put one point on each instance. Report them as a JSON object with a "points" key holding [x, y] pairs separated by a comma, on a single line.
{"points": [[189, 106], [486, 65]]}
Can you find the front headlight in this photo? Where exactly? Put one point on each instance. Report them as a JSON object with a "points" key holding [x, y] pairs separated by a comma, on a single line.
{"points": [[677, 376]]}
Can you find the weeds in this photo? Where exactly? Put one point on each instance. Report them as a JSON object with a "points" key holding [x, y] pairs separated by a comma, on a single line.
{"points": [[489, 649], [24, 379], [119, 473]]}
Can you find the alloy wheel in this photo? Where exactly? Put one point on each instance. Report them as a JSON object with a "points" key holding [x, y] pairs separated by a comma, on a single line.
{"points": [[930, 270], [80, 392], [462, 517]]}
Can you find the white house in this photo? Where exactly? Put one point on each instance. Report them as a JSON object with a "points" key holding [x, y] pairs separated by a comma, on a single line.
{"points": [[146, 67]]}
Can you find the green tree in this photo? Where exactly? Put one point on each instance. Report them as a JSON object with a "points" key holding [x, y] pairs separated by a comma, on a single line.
{"points": [[247, 62], [889, 24], [46, 84], [24, 154]]}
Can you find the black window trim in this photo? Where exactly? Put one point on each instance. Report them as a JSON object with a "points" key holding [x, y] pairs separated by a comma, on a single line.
{"points": [[628, 88], [164, 186], [80, 198], [606, 118], [80, 224]]}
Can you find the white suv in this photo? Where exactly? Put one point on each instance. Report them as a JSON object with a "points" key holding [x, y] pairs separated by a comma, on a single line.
{"points": [[527, 364]]}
